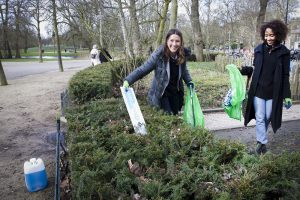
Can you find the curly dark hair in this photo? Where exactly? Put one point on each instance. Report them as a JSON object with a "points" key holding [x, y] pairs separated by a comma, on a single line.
{"points": [[167, 53], [279, 29]]}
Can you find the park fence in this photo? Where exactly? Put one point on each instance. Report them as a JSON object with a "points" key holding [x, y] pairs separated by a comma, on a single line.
{"points": [[294, 79], [221, 61]]}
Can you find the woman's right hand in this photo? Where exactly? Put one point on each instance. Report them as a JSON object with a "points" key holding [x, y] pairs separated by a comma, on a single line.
{"points": [[126, 85]]}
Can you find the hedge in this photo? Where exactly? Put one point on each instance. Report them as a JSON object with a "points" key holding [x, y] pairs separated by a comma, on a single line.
{"points": [[100, 82], [173, 161]]}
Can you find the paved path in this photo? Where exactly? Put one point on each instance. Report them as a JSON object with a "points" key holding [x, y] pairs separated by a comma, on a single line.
{"points": [[14, 70], [220, 120]]}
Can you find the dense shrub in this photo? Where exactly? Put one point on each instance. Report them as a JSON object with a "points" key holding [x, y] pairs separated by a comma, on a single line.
{"points": [[173, 161], [101, 81], [91, 83]]}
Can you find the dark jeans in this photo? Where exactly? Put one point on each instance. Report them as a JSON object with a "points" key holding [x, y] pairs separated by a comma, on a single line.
{"points": [[172, 104]]}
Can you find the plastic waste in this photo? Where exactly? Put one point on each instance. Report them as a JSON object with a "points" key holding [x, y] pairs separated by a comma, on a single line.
{"points": [[192, 113], [233, 100]]}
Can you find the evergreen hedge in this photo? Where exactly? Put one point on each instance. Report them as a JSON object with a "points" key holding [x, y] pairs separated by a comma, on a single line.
{"points": [[173, 161], [101, 81]]}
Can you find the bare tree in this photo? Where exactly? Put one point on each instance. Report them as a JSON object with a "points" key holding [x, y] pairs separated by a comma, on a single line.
{"points": [[127, 45], [197, 34], [136, 38], [261, 17], [57, 36], [3, 80], [18, 8], [208, 16], [37, 9], [4, 18], [174, 11], [162, 23]]}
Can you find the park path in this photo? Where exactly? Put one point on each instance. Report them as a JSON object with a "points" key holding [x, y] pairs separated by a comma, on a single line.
{"points": [[14, 70], [28, 109]]}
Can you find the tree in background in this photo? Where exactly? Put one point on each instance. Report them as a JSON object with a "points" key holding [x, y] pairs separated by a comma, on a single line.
{"points": [[136, 37], [173, 18], [61, 69], [18, 9], [37, 9], [162, 23], [5, 17], [197, 34], [261, 17]]}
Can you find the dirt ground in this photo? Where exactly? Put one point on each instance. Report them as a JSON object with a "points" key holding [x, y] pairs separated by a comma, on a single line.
{"points": [[28, 108]]}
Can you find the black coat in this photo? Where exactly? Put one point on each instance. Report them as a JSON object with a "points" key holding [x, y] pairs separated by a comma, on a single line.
{"points": [[280, 81], [102, 56]]}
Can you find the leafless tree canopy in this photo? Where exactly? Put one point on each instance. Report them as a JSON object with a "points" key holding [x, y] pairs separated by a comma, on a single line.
{"points": [[132, 26]]}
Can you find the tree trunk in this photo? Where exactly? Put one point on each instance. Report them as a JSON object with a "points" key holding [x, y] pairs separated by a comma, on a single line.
{"points": [[295, 85], [261, 18], [162, 23], [101, 11], [61, 69], [74, 44], [128, 47], [136, 37], [173, 18], [39, 32], [3, 80], [208, 42], [4, 16], [17, 15], [197, 35]]}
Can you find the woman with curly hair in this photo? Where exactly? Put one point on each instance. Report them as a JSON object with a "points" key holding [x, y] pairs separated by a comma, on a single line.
{"points": [[270, 82], [169, 65]]}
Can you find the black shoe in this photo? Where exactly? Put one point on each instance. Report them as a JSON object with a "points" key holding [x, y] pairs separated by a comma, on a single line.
{"points": [[261, 148]]}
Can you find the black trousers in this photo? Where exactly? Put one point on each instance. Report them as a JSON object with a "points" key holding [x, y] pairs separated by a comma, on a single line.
{"points": [[172, 104]]}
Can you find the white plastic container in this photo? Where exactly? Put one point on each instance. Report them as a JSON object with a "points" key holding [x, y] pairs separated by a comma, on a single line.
{"points": [[35, 175]]}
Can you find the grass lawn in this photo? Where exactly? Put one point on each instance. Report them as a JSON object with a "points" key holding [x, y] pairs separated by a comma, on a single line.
{"points": [[211, 85]]}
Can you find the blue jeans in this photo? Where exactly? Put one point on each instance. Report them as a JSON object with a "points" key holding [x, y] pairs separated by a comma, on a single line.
{"points": [[263, 110]]}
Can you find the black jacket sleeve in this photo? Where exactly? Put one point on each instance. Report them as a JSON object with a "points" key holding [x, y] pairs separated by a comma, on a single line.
{"points": [[246, 71]]}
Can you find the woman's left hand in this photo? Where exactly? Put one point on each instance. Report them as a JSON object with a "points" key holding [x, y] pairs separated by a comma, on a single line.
{"points": [[190, 84], [288, 103]]}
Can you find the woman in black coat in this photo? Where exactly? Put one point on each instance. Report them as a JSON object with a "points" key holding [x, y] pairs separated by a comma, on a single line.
{"points": [[270, 82]]}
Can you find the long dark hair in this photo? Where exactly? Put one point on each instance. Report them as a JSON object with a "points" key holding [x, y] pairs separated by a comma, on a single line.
{"points": [[279, 29], [167, 52]]}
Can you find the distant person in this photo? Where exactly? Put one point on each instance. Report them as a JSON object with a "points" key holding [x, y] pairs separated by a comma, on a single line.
{"points": [[169, 65], [102, 56], [270, 85], [94, 55]]}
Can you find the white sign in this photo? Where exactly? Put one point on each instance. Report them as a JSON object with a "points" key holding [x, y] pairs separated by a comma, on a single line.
{"points": [[134, 111]]}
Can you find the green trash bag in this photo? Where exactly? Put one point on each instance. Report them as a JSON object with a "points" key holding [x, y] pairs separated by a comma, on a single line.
{"points": [[192, 113], [235, 96]]}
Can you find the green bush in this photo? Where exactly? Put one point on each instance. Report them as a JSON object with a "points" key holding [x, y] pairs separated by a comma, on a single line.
{"points": [[100, 82], [174, 161], [91, 83]]}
